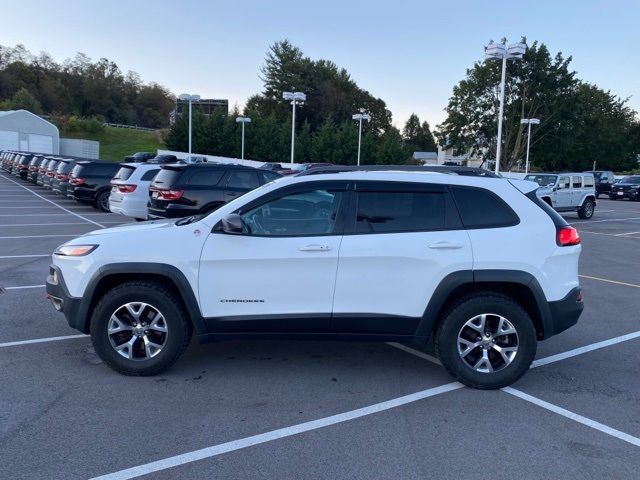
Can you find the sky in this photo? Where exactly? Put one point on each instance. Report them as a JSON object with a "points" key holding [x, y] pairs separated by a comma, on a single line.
{"points": [[409, 53]]}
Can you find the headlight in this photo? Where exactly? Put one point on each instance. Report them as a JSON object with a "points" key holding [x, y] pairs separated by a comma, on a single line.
{"points": [[75, 250]]}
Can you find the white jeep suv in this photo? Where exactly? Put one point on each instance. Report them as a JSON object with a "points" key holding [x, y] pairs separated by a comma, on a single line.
{"points": [[481, 264]]}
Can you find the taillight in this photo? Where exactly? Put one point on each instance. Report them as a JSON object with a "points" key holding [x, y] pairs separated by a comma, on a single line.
{"points": [[126, 188], [567, 236], [23, 167], [62, 176], [50, 174], [77, 181], [33, 169], [170, 194]]}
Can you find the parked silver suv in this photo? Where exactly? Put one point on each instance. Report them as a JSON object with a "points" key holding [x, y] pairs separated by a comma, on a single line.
{"points": [[567, 192]]}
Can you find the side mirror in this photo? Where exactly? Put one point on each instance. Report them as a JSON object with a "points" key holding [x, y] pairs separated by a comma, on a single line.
{"points": [[232, 223]]}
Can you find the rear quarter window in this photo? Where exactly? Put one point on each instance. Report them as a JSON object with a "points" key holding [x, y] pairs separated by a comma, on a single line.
{"points": [[124, 173], [480, 208], [148, 175], [167, 177]]}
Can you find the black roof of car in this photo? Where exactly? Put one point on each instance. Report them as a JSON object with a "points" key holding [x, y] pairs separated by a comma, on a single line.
{"points": [[212, 166]]}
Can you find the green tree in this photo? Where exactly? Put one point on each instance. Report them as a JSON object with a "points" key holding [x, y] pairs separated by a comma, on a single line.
{"points": [[23, 100], [417, 136], [538, 86]]}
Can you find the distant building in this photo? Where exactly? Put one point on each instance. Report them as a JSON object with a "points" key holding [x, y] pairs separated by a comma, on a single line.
{"points": [[426, 158], [207, 106], [27, 132]]}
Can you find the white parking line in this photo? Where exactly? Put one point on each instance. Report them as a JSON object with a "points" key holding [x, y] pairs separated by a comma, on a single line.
{"points": [[585, 349], [23, 287], [15, 208], [625, 437], [24, 256], [275, 434], [44, 224], [607, 220], [55, 204], [50, 215], [624, 234], [41, 340], [38, 236], [610, 281]]}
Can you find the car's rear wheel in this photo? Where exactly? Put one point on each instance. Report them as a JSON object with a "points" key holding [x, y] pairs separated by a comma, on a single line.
{"points": [[140, 328], [486, 341], [587, 209], [102, 201]]}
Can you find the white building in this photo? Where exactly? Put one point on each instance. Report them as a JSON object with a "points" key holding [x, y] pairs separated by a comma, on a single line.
{"points": [[27, 132]]}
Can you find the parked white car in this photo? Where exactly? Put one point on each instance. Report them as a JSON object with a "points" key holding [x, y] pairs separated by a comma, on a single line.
{"points": [[130, 189], [481, 264], [567, 192]]}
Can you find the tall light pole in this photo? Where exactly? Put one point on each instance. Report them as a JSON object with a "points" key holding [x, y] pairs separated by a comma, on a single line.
{"points": [[190, 98], [294, 97], [500, 51], [529, 121], [243, 120], [360, 117]]}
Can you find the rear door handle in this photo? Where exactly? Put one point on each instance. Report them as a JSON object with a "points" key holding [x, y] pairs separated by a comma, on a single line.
{"points": [[315, 248], [445, 245]]}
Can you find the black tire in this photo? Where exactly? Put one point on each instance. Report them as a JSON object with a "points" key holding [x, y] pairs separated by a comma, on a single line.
{"points": [[176, 321], [597, 195], [611, 197], [586, 210], [469, 307], [102, 201]]}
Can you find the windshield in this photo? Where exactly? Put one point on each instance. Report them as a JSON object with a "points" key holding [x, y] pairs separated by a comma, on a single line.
{"points": [[542, 180], [633, 179]]}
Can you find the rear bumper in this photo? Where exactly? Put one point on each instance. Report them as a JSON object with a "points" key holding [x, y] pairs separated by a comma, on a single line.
{"points": [[172, 211], [566, 312]]}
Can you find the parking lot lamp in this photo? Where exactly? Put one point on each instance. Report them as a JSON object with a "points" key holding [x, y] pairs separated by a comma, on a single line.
{"points": [[360, 117], [243, 120], [190, 98], [500, 51], [529, 121], [294, 97]]}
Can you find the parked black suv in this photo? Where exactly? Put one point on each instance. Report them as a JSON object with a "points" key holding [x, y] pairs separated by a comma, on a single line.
{"points": [[60, 181], [89, 182], [34, 166], [21, 167], [628, 187], [604, 181], [182, 190], [139, 157], [44, 177]]}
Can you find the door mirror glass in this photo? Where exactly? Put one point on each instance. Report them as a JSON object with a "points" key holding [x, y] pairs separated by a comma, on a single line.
{"points": [[232, 223]]}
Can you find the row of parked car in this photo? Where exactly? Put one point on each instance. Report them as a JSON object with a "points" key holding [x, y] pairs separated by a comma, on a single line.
{"points": [[143, 188]]}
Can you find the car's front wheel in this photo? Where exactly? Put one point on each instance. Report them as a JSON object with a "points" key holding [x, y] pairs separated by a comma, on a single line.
{"points": [[486, 341], [140, 328]]}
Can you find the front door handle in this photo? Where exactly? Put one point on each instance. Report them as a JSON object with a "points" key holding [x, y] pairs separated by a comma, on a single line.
{"points": [[445, 245], [315, 248]]}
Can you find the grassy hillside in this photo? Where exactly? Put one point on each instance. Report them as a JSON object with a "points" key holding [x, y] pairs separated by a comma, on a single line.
{"points": [[116, 143]]}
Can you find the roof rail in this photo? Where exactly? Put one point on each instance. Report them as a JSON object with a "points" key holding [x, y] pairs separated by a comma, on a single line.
{"points": [[451, 170]]}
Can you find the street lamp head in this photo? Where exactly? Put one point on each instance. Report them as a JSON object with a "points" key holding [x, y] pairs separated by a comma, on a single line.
{"points": [[186, 97], [535, 121], [524, 121], [243, 120], [516, 50], [294, 96], [287, 95]]}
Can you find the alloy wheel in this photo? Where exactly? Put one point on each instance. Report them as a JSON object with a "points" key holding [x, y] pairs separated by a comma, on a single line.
{"points": [[487, 343], [137, 331]]}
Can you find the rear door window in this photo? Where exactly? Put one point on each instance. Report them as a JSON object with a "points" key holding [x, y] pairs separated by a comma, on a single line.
{"points": [[205, 178], [576, 182], [479, 208], [386, 211], [242, 180], [588, 181], [564, 182]]}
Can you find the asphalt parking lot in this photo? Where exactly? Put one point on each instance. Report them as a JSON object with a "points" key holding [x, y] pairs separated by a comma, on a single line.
{"points": [[297, 410]]}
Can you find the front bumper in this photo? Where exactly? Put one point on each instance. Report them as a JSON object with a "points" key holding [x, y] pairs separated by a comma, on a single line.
{"points": [[71, 307], [565, 312]]}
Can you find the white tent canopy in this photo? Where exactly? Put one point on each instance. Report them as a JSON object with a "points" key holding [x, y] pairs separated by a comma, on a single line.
{"points": [[27, 132]]}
